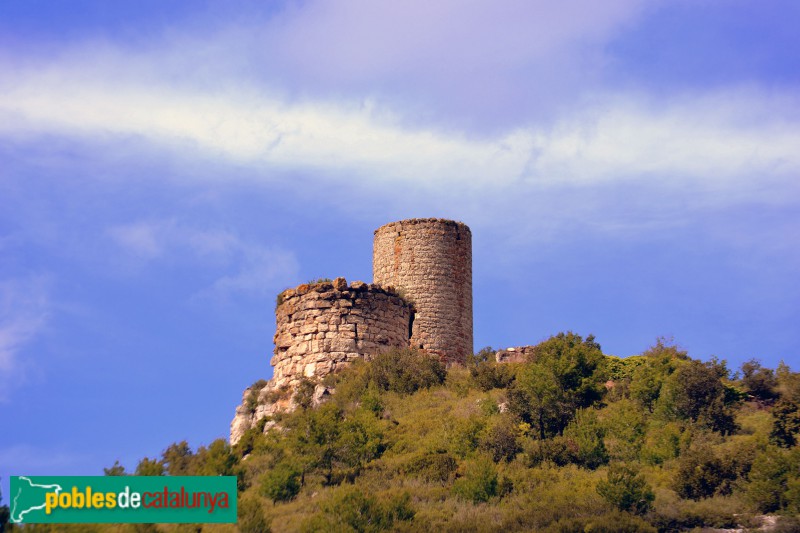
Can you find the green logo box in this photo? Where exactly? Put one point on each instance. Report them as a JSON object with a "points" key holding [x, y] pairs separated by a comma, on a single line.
{"points": [[122, 499]]}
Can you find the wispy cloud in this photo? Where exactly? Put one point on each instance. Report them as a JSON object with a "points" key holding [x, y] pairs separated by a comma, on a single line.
{"points": [[247, 267], [24, 310], [617, 137], [351, 96]]}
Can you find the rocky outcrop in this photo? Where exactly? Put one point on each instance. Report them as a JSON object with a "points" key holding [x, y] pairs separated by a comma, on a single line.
{"points": [[266, 400]]}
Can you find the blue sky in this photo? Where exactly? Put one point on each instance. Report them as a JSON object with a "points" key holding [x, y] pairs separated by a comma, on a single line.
{"points": [[628, 169]]}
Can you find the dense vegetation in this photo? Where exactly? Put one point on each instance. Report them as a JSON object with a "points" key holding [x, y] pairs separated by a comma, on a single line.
{"points": [[572, 440]]}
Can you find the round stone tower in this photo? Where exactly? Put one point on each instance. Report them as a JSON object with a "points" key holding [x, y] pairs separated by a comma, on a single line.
{"points": [[429, 260]]}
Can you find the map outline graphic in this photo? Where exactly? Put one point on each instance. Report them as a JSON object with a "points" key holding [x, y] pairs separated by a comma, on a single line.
{"points": [[17, 516]]}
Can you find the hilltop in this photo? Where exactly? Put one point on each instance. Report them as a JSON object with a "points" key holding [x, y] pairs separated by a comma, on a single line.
{"points": [[568, 440]]}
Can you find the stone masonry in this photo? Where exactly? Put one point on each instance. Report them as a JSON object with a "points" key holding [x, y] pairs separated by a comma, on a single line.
{"points": [[322, 326], [429, 260]]}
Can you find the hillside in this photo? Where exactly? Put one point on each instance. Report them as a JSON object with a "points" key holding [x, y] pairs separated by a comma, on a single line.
{"points": [[572, 440]]}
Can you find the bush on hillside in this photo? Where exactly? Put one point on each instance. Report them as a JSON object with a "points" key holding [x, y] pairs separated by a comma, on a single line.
{"points": [[405, 371]]}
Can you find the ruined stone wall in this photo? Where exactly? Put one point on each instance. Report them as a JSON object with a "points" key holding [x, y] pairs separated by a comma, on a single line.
{"points": [[516, 354], [323, 326], [429, 261]]}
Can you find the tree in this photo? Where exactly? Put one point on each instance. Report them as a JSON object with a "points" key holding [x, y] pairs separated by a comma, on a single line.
{"points": [[216, 460], [5, 514], [501, 441], [115, 470], [700, 473], [758, 381], [561, 378], [585, 438], [316, 434], [626, 489], [491, 375], [785, 423], [768, 479], [695, 392], [360, 440], [647, 380], [150, 467], [487, 373], [786, 412], [282, 483], [178, 459]]}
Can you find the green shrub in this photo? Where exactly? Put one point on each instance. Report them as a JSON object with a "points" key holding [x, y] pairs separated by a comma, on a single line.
{"points": [[464, 435], [553, 451], [304, 394], [491, 375], [696, 392], [349, 509], [282, 483], [584, 436], [674, 514], [253, 439], [360, 440], [623, 424], [700, 473], [434, 467], [371, 400], [500, 441], [406, 371], [215, 460], [250, 516], [582, 444], [786, 423], [761, 383], [562, 378], [626, 489], [251, 401], [479, 482], [150, 467], [768, 480], [610, 523], [662, 442]]}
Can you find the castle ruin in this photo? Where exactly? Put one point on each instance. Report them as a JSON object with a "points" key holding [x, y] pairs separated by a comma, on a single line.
{"points": [[430, 262], [421, 298]]}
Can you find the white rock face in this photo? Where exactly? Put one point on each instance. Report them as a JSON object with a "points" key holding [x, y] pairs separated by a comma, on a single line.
{"points": [[269, 400]]}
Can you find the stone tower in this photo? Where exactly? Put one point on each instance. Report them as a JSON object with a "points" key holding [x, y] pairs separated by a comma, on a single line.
{"points": [[429, 261], [323, 326]]}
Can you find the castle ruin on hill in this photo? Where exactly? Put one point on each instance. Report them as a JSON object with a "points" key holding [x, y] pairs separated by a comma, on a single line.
{"points": [[421, 297]]}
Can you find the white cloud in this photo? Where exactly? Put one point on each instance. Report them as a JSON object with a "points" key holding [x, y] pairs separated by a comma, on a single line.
{"points": [[261, 269], [151, 239], [439, 44], [24, 309], [249, 267], [723, 136], [304, 90], [619, 137]]}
